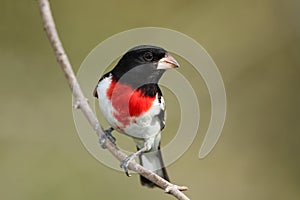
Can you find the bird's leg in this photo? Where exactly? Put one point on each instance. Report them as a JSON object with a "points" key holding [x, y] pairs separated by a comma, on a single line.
{"points": [[125, 162], [107, 134]]}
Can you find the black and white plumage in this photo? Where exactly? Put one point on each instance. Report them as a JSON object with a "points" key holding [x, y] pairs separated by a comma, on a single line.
{"points": [[132, 103]]}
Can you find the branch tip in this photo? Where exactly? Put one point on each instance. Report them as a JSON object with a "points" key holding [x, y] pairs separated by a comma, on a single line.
{"points": [[173, 188]]}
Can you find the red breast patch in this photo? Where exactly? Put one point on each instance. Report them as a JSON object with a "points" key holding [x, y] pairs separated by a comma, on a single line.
{"points": [[128, 102]]}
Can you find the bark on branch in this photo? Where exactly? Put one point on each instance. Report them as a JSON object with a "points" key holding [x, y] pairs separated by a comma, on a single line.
{"points": [[81, 103]]}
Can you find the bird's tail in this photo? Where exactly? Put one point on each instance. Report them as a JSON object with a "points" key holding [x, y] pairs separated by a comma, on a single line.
{"points": [[153, 161]]}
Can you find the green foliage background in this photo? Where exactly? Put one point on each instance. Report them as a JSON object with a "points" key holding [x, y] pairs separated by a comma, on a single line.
{"points": [[256, 46]]}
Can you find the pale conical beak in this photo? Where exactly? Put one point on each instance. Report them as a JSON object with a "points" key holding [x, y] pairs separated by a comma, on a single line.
{"points": [[167, 62]]}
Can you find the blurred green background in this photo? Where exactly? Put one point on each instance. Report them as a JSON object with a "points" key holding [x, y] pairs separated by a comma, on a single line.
{"points": [[256, 45]]}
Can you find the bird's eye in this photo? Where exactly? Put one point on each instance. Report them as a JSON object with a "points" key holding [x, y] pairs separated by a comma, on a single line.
{"points": [[148, 56]]}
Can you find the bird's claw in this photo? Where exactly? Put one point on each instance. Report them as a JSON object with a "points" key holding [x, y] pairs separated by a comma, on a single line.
{"points": [[107, 135], [102, 141], [124, 164]]}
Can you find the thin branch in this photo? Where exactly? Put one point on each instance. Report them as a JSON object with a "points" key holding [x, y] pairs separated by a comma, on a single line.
{"points": [[81, 103]]}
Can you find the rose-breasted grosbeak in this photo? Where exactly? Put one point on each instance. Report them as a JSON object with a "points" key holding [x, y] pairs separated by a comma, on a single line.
{"points": [[132, 103]]}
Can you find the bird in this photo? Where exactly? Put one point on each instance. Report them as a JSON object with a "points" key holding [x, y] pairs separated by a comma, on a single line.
{"points": [[132, 103]]}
